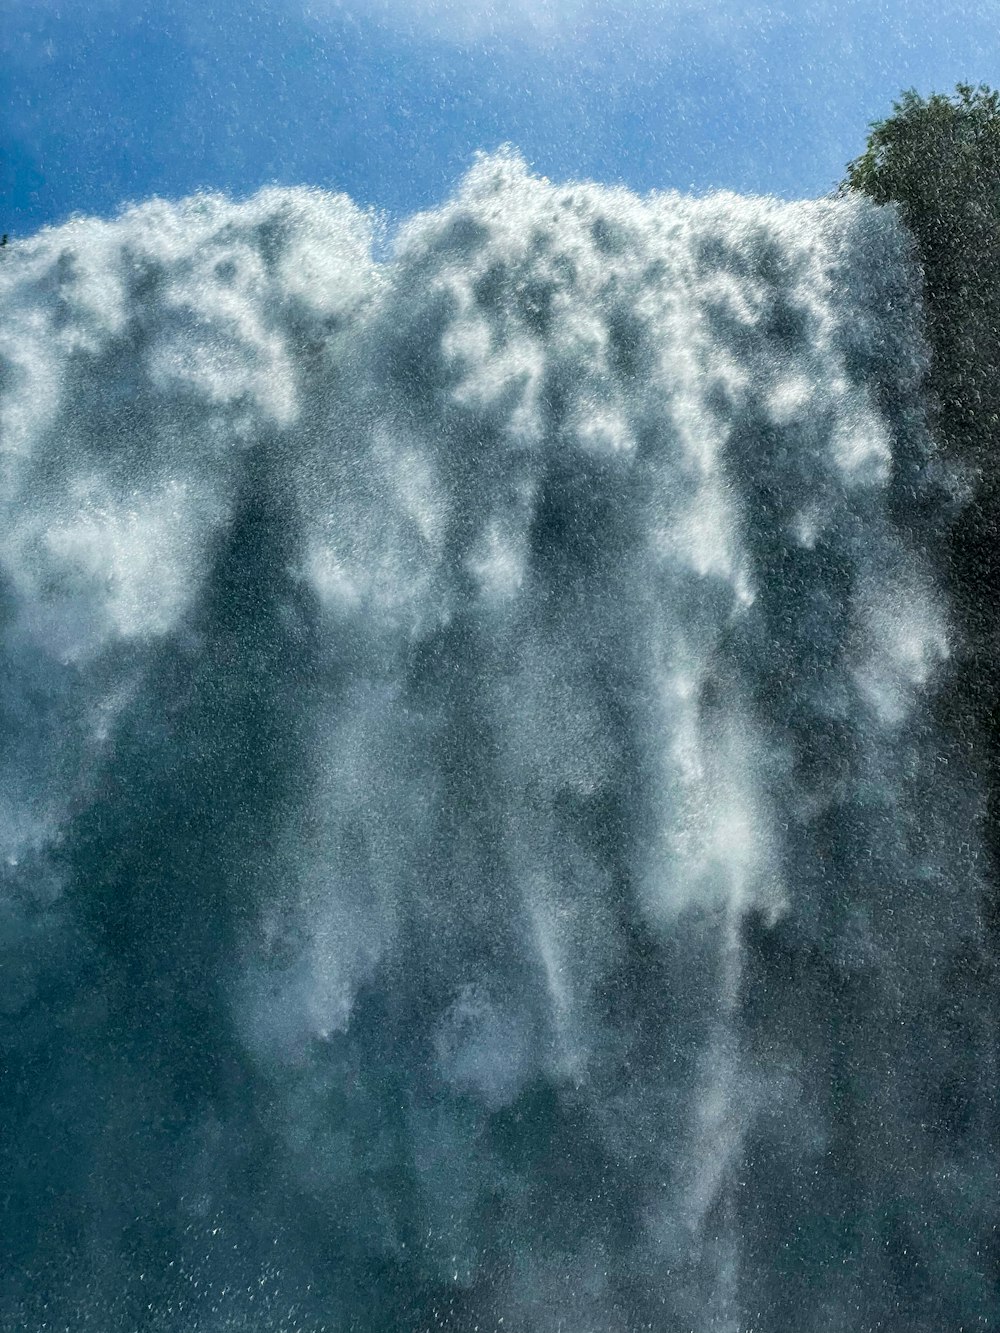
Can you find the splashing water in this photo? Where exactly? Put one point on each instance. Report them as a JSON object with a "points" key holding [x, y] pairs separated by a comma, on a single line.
{"points": [[477, 853]]}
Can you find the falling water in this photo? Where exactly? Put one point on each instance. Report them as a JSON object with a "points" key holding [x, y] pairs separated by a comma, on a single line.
{"points": [[478, 852]]}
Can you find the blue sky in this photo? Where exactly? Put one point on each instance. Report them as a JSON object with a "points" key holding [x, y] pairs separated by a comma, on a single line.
{"points": [[109, 101]]}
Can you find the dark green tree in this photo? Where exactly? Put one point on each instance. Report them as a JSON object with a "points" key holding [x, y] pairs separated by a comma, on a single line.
{"points": [[938, 159]]}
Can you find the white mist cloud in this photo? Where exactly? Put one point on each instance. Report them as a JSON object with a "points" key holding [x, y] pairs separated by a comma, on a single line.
{"points": [[420, 673]]}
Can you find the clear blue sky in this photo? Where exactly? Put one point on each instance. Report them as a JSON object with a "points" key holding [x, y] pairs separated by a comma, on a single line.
{"points": [[107, 101]]}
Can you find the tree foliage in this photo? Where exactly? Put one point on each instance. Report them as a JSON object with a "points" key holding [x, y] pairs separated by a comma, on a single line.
{"points": [[938, 159], [931, 149]]}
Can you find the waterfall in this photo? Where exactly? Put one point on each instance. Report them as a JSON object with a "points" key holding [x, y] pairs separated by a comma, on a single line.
{"points": [[480, 848]]}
